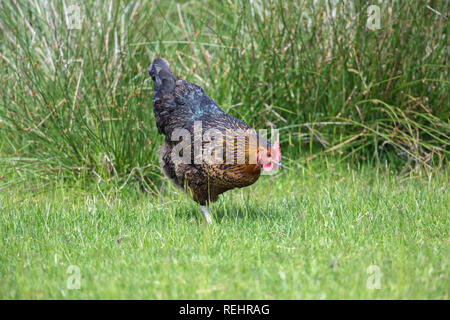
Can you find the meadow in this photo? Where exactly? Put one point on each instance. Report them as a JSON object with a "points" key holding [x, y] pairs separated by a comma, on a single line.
{"points": [[360, 210]]}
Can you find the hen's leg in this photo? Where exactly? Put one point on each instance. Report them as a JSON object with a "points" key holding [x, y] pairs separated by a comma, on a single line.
{"points": [[205, 212]]}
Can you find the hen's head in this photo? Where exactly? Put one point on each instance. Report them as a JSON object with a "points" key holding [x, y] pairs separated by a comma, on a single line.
{"points": [[270, 158]]}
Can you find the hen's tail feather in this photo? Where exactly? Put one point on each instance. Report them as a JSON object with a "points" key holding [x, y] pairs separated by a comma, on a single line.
{"points": [[160, 73]]}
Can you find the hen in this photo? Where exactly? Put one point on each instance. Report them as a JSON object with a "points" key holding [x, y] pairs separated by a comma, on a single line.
{"points": [[206, 151]]}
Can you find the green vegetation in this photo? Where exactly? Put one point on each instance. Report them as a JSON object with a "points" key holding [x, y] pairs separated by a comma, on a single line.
{"points": [[315, 236], [79, 101], [364, 127]]}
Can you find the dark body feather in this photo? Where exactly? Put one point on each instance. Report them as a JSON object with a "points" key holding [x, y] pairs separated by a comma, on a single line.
{"points": [[178, 104]]}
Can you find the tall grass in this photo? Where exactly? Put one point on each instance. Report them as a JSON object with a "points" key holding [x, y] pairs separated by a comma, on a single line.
{"points": [[78, 102]]}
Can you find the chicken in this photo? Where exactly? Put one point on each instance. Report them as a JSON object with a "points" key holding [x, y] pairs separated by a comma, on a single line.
{"points": [[191, 123]]}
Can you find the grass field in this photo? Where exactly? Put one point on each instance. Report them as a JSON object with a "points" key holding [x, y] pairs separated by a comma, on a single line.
{"points": [[360, 211], [317, 233]]}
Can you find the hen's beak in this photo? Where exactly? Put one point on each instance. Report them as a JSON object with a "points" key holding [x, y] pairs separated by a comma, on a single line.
{"points": [[278, 164]]}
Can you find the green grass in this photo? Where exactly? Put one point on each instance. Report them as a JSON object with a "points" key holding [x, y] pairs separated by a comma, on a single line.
{"points": [[309, 234], [79, 101], [78, 144]]}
